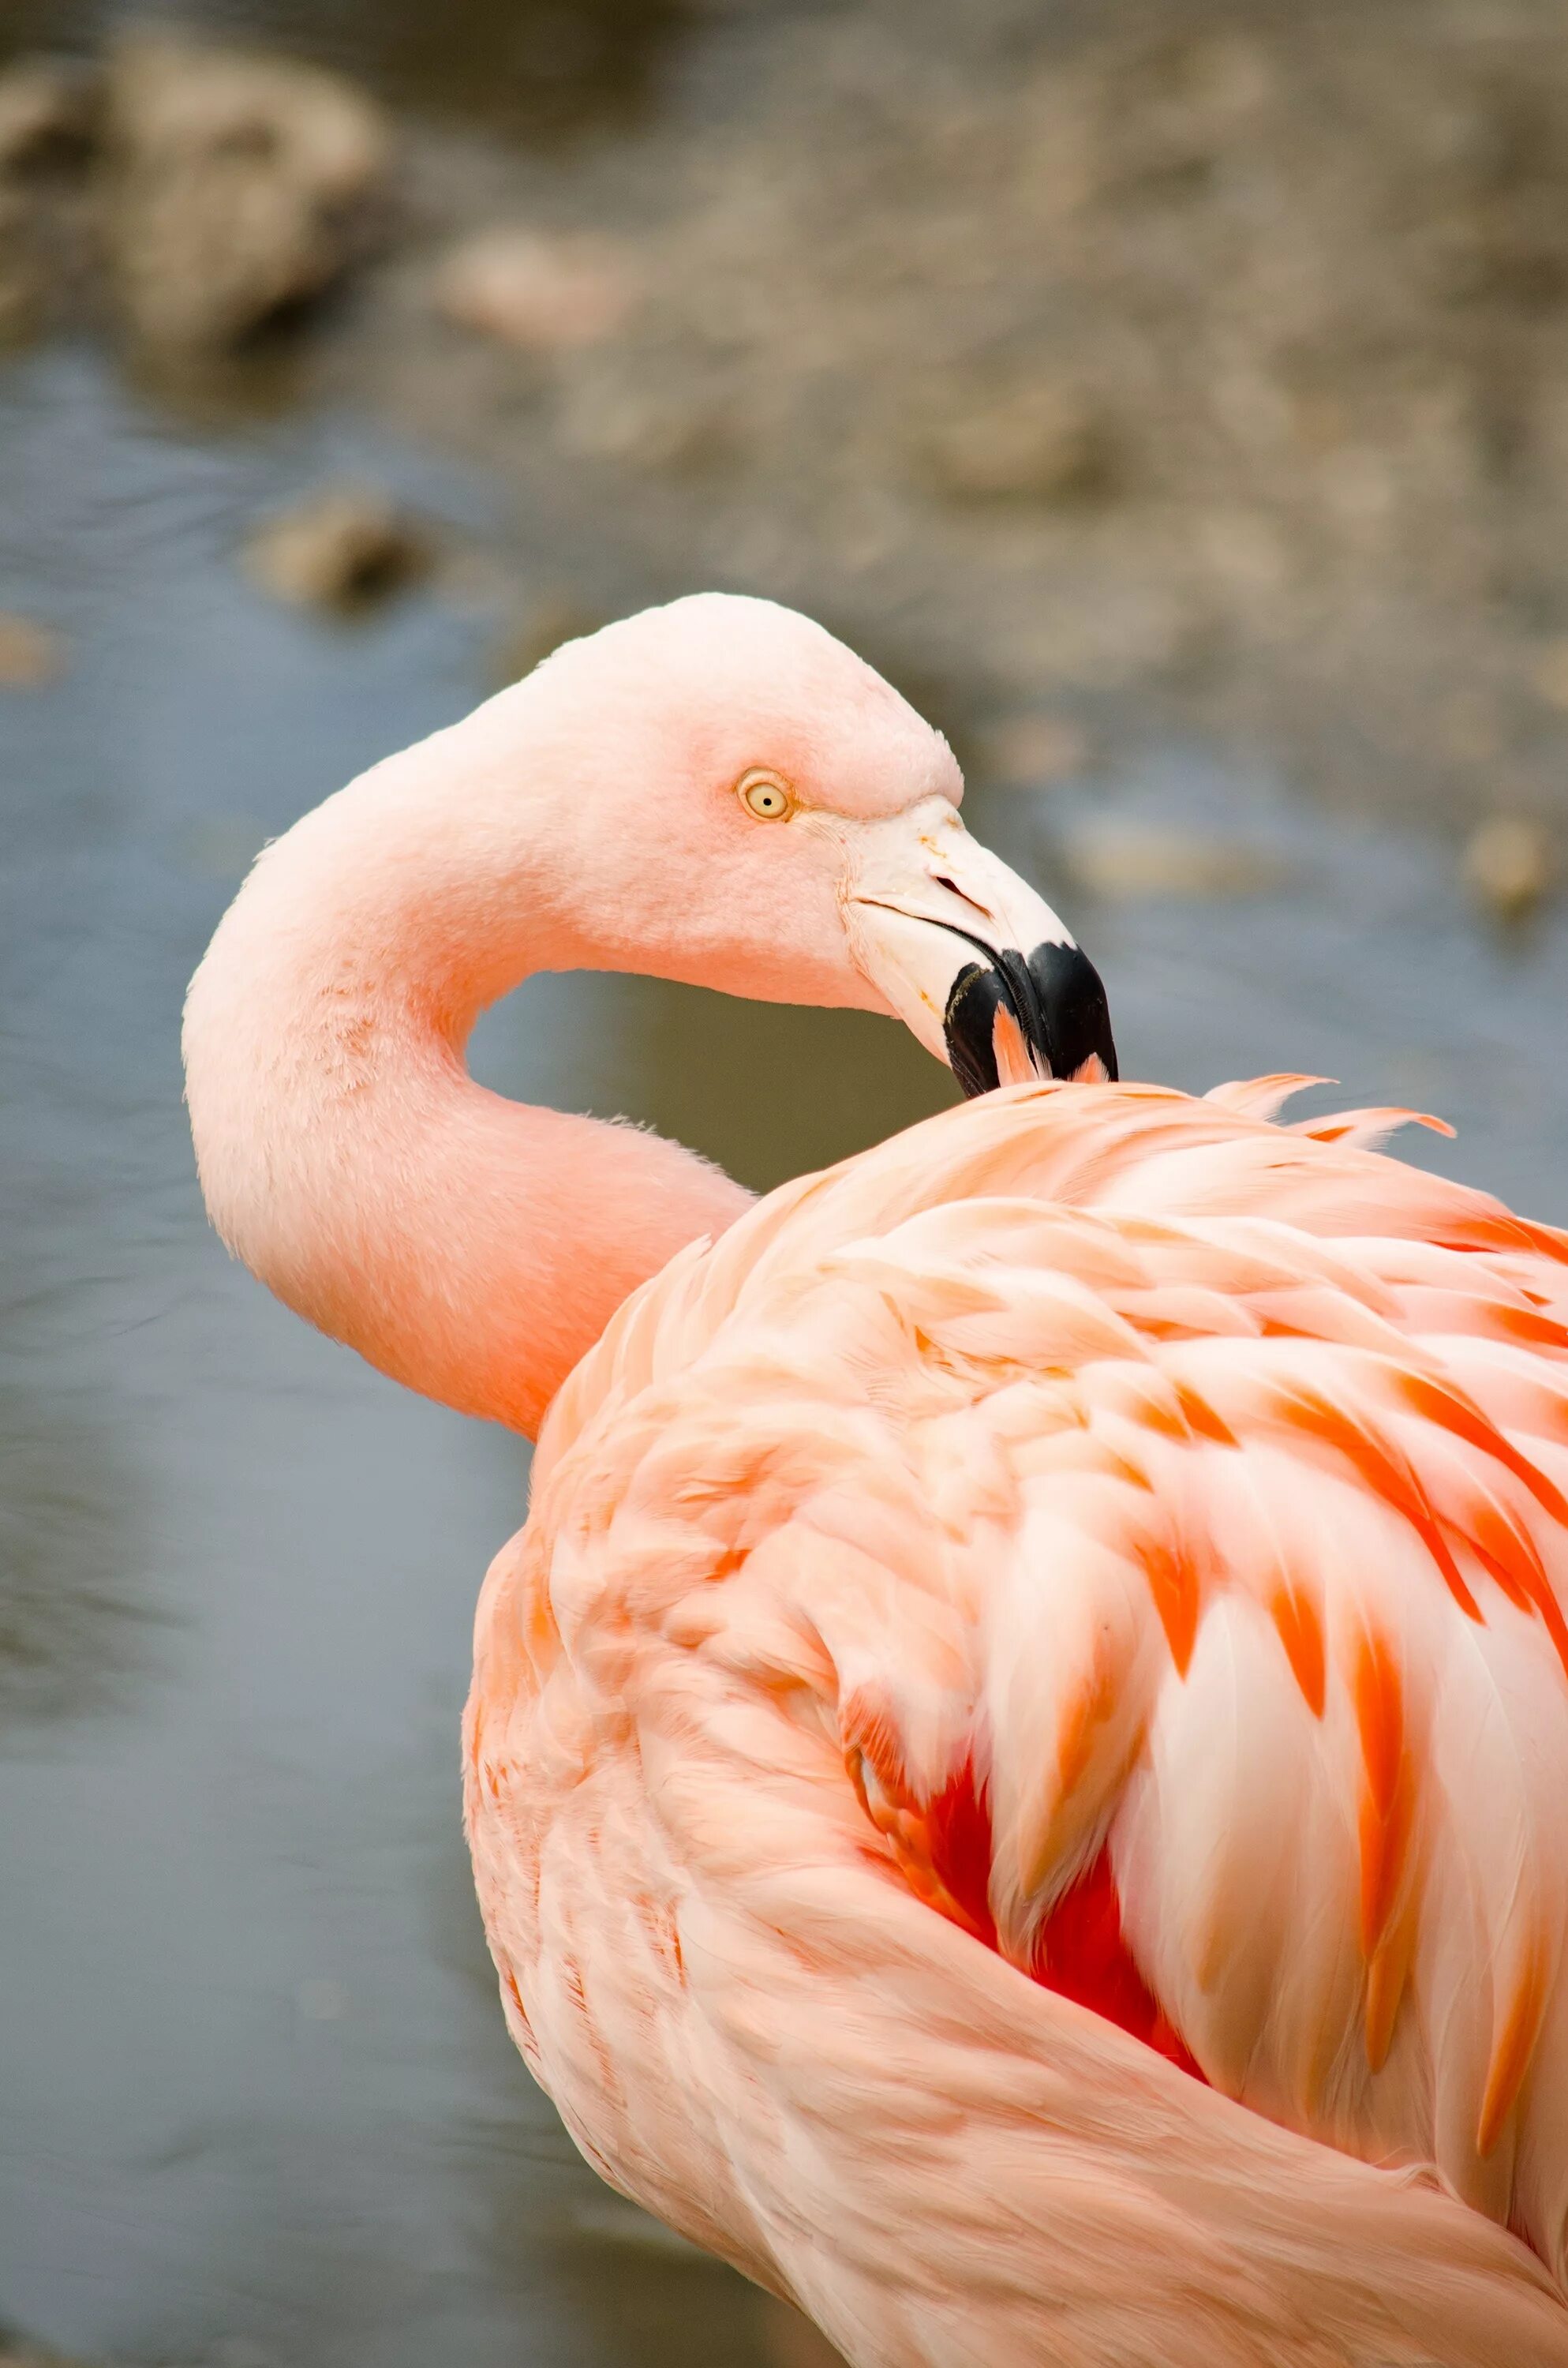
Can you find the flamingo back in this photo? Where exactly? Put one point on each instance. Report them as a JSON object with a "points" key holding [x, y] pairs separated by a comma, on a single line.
{"points": [[1036, 1671]]}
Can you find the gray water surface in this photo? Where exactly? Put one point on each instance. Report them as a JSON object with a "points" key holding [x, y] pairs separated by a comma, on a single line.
{"points": [[255, 2101], [257, 2104]]}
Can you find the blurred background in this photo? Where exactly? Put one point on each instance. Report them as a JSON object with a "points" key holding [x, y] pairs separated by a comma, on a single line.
{"points": [[1173, 400]]}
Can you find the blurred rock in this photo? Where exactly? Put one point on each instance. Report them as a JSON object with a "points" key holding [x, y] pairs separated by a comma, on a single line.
{"points": [[49, 131], [1126, 859], [241, 187], [49, 118], [537, 293], [1507, 865], [1039, 443], [30, 653], [346, 548]]}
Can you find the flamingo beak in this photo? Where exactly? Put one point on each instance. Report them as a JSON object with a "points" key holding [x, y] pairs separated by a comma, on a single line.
{"points": [[975, 962], [1009, 1016]]}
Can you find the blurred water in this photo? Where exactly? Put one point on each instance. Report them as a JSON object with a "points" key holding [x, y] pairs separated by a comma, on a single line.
{"points": [[259, 2103]]}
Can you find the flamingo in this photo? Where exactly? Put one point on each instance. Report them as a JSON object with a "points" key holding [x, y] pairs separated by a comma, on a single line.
{"points": [[1016, 1771]]}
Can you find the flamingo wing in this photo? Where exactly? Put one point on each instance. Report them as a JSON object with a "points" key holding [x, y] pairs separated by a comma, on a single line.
{"points": [[1137, 1532]]}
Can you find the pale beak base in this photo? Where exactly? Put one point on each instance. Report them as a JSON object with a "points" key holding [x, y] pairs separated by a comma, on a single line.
{"points": [[971, 960]]}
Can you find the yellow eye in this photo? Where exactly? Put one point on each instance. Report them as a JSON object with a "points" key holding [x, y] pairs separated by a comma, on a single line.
{"points": [[764, 794]]}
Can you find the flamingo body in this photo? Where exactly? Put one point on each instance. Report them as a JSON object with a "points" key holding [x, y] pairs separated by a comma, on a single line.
{"points": [[1017, 1771], [1099, 1536]]}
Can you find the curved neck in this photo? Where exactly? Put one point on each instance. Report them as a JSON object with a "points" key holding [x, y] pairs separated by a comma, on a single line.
{"points": [[468, 1246]]}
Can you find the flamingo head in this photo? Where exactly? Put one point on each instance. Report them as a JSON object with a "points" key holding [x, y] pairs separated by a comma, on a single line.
{"points": [[756, 810]]}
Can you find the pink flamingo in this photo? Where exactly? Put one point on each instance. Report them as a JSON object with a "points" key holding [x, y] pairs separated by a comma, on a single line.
{"points": [[1016, 1773]]}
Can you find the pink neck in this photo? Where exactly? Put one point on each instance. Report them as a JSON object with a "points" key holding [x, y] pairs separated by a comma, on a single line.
{"points": [[468, 1246]]}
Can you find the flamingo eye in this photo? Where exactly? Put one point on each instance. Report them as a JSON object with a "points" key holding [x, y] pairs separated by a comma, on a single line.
{"points": [[764, 794]]}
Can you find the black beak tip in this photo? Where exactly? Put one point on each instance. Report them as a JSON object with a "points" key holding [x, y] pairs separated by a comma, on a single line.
{"points": [[1057, 1000], [1077, 1017], [969, 1024]]}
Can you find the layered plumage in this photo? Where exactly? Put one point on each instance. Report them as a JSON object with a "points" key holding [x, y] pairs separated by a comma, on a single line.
{"points": [[1028, 1728], [1098, 1559]]}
